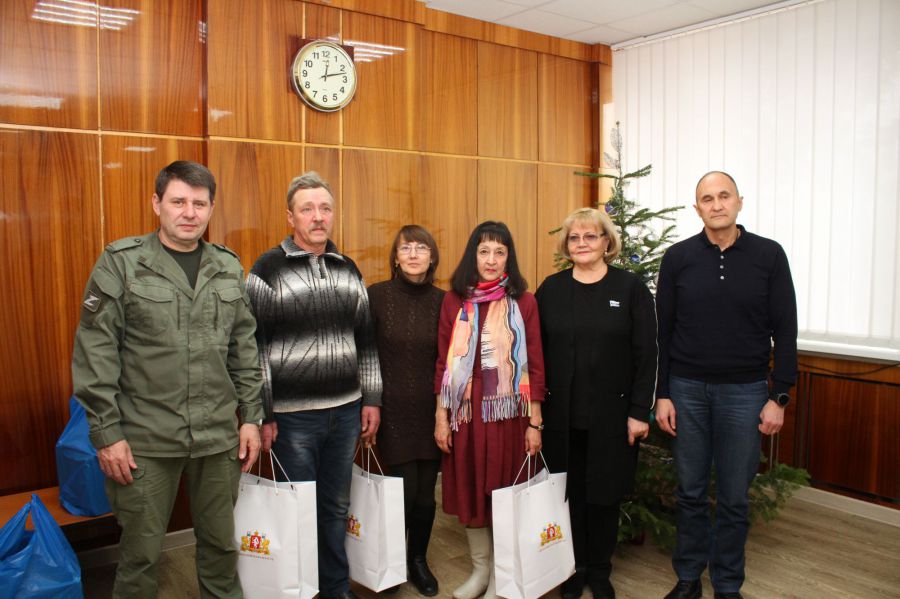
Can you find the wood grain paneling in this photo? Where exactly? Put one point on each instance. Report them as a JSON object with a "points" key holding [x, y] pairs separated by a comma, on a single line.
{"points": [[447, 205], [250, 48], [448, 94], [382, 114], [564, 110], [327, 162], [151, 69], [322, 127], [445, 22], [48, 70], [855, 435], [604, 120], [402, 10], [379, 189], [251, 206], [560, 192], [507, 102], [130, 167], [507, 191], [49, 240]]}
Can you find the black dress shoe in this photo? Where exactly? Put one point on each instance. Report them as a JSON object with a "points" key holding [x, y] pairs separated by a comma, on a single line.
{"points": [[733, 595], [344, 595], [686, 589], [574, 587], [421, 577], [603, 590]]}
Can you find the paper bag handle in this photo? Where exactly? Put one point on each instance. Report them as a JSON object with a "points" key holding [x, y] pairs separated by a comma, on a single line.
{"points": [[528, 473]]}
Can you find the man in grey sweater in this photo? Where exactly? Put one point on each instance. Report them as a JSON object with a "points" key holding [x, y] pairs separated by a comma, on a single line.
{"points": [[321, 379]]}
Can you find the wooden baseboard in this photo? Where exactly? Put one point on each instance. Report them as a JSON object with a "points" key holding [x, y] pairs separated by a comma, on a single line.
{"points": [[863, 509]]}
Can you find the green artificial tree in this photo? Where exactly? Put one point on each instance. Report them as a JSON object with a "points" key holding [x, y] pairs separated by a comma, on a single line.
{"points": [[651, 508]]}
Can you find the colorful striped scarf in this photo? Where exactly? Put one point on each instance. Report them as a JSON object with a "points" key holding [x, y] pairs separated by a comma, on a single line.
{"points": [[504, 358]]}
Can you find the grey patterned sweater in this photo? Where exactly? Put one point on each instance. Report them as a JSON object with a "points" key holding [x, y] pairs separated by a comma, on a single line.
{"points": [[315, 335]]}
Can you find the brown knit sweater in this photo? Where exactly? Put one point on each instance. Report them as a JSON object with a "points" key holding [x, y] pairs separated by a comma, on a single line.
{"points": [[406, 323]]}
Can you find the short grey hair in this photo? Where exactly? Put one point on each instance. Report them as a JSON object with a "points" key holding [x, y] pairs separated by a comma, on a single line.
{"points": [[308, 180]]}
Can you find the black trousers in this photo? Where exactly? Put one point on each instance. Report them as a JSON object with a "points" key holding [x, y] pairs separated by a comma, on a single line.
{"points": [[594, 527]]}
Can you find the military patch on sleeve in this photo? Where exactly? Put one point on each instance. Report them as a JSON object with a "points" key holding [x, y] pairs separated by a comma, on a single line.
{"points": [[91, 301]]}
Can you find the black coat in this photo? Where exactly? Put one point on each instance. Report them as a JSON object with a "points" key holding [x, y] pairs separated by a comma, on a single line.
{"points": [[624, 376]]}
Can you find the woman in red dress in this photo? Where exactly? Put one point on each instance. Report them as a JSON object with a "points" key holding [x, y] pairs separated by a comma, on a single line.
{"points": [[489, 381]]}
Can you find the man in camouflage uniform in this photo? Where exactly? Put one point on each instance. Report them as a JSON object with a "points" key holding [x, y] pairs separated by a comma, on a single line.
{"points": [[164, 357]]}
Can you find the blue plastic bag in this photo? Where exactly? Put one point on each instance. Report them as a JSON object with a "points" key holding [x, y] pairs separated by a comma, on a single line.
{"points": [[37, 563], [81, 481]]}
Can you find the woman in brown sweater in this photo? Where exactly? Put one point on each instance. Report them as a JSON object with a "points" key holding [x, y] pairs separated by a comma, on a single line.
{"points": [[405, 311]]}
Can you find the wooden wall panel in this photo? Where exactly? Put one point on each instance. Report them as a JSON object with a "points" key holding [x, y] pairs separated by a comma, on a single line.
{"points": [[448, 94], [251, 206], [564, 110], [130, 167], [48, 71], [507, 192], [447, 206], [160, 48], [327, 162], [379, 189], [436, 20], [322, 127], [854, 437], [382, 114], [402, 10], [507, 102], [250, 48], [49, 240], [560, 192]]}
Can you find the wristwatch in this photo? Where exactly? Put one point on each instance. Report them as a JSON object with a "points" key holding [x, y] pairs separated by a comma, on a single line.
{"points": [[782, 399], [537, 427]]}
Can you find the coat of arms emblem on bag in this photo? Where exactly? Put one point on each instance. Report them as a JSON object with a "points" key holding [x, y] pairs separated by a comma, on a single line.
{"points": [[353, 526], [552, 533], [255, 543]]}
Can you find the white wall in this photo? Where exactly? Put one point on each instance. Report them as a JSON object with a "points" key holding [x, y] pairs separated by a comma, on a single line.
{"points": [[802, 107]]}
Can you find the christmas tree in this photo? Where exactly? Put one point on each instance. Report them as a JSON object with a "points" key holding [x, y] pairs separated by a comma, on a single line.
{"points": [[642, 246]]}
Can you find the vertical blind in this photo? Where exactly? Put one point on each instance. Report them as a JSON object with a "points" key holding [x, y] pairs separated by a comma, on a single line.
{"points": [[802, 106]]}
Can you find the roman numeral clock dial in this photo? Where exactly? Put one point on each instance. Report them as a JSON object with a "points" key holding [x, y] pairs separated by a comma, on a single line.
{"points": [[324, 76]]}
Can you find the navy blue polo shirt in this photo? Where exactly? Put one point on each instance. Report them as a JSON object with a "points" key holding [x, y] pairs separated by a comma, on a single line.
{"points": [[719, 313]]}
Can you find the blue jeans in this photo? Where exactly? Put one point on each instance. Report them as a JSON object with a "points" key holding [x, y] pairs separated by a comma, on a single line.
{"points": [[716, 425], [319, 445]]}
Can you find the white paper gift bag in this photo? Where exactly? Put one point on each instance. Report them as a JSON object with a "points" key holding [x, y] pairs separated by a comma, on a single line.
{"points": [[275, 530], [533, 551], [376, 530]]}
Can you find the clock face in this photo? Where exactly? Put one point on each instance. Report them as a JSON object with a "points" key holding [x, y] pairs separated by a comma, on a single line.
{"points": [[324, 76]]}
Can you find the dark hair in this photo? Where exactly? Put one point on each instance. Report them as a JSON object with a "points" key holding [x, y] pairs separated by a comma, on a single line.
{"points": [[195, 175], [308, 180], [466, 273], [730, 178], [417, 234]]}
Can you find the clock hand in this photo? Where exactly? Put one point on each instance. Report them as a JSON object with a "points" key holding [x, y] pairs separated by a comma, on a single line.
{"points": [[325, 76]]}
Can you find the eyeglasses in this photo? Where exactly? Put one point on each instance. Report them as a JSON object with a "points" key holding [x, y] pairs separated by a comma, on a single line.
{"points": [[589, 238], [407, 249]]}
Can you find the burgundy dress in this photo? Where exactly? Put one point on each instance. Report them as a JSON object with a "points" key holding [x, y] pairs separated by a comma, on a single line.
{"points": [[485, 455]]}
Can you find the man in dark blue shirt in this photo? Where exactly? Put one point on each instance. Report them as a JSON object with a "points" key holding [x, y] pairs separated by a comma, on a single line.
{"points": [[723, 297]]}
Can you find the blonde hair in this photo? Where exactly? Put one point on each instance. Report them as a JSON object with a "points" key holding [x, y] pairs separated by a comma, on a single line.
{"points": [[600, 221]]}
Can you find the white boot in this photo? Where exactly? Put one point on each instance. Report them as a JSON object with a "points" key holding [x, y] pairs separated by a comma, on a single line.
{"points": [[491, 592], [482, 565]]}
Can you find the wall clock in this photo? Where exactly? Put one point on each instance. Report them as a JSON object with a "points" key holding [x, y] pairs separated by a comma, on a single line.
{"points": [[324, 76]]}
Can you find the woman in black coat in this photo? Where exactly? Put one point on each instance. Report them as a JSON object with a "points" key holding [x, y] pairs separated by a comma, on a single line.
{"points": [[598, 327]]}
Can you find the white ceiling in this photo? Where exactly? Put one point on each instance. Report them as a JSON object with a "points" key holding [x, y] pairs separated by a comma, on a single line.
{"points": [[597, 21]]}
